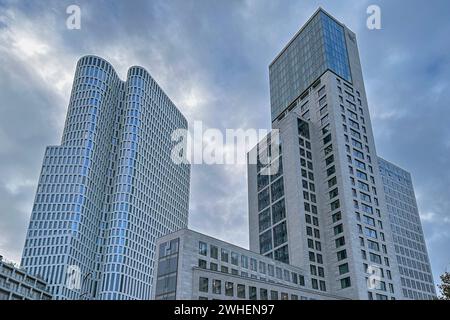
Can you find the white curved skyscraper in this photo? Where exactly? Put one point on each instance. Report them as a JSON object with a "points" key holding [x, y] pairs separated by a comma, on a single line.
{"points": [[110, 189]]}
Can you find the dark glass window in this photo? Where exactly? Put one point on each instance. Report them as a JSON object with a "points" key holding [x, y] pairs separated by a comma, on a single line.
{"points": [[279, 234], [278, 211], [264, 220]]}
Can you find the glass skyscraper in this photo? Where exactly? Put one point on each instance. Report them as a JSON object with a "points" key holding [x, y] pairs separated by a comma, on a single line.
{"points": [[110, 189]]}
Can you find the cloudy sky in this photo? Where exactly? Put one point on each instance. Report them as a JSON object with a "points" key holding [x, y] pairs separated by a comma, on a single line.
{"points": [[211, 58]]}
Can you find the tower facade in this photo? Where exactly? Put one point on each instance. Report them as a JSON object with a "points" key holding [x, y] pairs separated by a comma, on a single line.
{"points": [[410, 247], [110, 189], [324, 210]]}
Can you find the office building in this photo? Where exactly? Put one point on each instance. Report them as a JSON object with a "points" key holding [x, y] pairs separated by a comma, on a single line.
{"points": [[324, 210], [194, 266], [410, 247], [110, 189], [17, 284]]}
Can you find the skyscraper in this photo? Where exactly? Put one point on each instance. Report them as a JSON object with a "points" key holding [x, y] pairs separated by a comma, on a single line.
{"points": [[410, 247], [324, 210], [110, 189]]}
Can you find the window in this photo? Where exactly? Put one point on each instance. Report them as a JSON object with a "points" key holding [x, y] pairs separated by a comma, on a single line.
{"points": [[321, 91], [279, 272], [265, 243], [321, 272], [375, 258], [252, 293], [224, 255], [358, 154], [253, 265], [334, 193], [328, 149], [322, 285], [335, 205], [203, 284], [360, 164], [345, 283], [282, 254], [332, 182], [244, 262], [341, 255], [363, 254], [319, 258], [214, 252], [241, 291], [278, 212], [277, 189], [279, 234], [338, 229], [217, 287], [355, 134], [365, 197], [263, 294], [361, 175], [373, 245], [263, 199], [370, 233], [229, 289], [273, 295], [381, 297], [369, 220], [329, 160], [234, 258], [213, 266], [262, 267], [202, 263], [343, 268], [271, 270], [340, 242], [336, 217], [366, 208], [202, 248], [363, 186]]}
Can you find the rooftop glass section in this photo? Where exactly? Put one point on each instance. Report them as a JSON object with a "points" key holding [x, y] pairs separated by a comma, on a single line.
{"points": [[319, 46]]}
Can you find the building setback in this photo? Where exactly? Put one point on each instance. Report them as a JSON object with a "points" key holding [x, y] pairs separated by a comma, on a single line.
{"points": [[195, 266], [17, 284], [410, 247], [324, 210], [110, 189]]}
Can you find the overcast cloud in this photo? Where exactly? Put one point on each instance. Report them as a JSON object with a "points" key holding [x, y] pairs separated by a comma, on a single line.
{"points": [[211, 58]]}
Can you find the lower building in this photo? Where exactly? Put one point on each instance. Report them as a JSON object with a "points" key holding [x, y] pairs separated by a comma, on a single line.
{"points": [[194, 266], [16, 284]]}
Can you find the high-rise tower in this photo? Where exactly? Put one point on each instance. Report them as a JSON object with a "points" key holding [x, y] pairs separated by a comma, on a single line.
{"points": [[324, 210], [110, 189], [410, 247]]}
